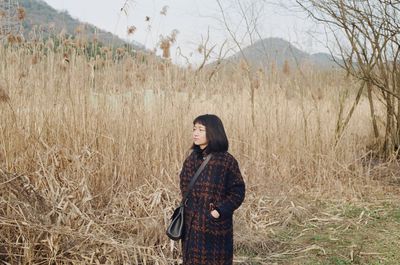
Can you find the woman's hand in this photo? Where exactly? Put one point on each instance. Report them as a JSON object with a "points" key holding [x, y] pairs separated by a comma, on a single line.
{"points": [[215, 214]]}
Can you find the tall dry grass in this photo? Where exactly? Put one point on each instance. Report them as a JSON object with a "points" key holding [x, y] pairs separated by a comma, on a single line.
{"points": [[83, 181]]}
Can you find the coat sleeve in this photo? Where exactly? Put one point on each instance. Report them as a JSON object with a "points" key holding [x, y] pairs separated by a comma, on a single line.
{"points": [[235, 191]]}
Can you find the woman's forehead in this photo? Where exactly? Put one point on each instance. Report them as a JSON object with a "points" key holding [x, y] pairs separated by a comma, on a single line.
{"points": [[198, 125]]}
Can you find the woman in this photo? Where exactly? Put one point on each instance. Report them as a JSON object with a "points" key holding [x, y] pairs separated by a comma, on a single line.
{"points": [[218, 191]]}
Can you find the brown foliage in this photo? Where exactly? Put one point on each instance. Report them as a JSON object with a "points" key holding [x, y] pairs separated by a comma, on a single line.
{"points": [[3, 95], [21, 13]]}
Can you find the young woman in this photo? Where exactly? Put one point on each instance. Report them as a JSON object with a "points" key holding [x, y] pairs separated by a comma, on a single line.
{"points": [[218, 191]]}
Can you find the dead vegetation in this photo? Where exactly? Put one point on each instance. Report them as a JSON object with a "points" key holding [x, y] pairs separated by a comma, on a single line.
{"points": [[86, 181]]}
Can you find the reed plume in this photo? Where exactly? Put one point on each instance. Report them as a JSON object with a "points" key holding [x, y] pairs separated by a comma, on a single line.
{"points": [[3, 94]]}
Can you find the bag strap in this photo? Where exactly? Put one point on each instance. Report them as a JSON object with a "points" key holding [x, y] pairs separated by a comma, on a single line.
{"points": [[194, 178]]}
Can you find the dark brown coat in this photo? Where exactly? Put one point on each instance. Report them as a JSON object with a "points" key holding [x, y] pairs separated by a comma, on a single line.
{"points": [[207, 240]]}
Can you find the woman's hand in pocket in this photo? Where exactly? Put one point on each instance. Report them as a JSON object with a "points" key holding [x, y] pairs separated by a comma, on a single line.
{"points": [[215, 214]]}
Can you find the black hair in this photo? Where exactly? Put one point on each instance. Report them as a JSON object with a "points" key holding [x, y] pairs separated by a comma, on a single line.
{"points": [[215, 133]]}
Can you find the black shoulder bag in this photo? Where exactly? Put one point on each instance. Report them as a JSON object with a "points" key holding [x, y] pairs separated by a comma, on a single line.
{"points": [[175, 228]]}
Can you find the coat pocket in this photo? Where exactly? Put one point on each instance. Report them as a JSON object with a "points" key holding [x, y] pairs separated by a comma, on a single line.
{"points": [[212, 218], [218, 226], [211, 207]]}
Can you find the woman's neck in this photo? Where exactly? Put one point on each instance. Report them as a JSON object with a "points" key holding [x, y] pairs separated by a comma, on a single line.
{"points": [[202, 147]]}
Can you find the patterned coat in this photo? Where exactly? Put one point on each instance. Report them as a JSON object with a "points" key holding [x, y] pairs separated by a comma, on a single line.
{"points": [[220, 186]]}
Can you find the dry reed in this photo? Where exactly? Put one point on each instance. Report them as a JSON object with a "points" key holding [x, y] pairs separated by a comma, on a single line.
{"points": [[3, 95], [89, 172], [21, 14], [131, 30]]}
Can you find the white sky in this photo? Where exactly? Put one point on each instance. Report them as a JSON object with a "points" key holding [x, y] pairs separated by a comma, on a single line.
{"points": [[193, 18]]}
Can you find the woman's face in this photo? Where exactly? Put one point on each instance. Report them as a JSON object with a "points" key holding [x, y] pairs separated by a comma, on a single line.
{"points": [[199, 135]]}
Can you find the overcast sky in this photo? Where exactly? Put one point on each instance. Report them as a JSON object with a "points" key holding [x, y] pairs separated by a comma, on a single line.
{"points": [[193, 18]]}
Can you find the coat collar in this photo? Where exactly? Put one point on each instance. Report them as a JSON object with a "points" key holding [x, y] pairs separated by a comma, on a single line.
{"points": [[201, 154]]}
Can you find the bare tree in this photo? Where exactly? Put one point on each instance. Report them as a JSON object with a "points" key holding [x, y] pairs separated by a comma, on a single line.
{"points": [[367, 36], [208, 51], [249, 13]]}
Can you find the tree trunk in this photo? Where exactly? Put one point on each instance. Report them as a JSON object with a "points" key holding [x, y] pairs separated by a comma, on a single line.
{"points": [[388, 144], [343, 125], [371, 106]]}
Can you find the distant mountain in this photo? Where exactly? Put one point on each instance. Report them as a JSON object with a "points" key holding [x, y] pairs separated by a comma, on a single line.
{"points": [[45, 20], [276, 50], [323, 59]]}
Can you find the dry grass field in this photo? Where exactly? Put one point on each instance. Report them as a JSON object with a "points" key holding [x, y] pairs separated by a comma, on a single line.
{"points": [[91, 148]]}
